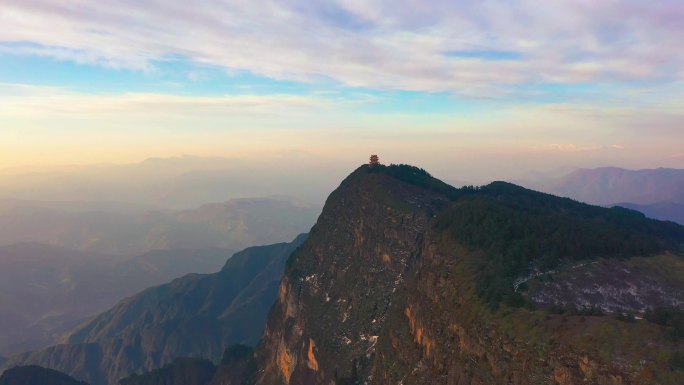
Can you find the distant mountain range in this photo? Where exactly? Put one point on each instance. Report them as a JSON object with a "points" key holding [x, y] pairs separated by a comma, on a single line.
{"points": [[665, 211], [610, 185], [174, 183], [658, 193], [130, 229], [197, 315], [47, 290], [64, 261]]}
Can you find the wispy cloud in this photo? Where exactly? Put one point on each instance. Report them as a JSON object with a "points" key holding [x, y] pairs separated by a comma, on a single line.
{"points": [[572, 147], [471, 48], [21, 100], [49, 125]]}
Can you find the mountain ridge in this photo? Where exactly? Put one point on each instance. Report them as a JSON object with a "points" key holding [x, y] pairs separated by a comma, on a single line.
{"points": [[135, 229], [197, 315], [608, 186], [47, 290], [381, 294], [664, 211]]}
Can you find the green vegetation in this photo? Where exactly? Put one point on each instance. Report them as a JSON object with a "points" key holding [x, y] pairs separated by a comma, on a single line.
{"points": [[677, 361], [520, 231], [672, 318], [574, 310], [418, 177]]}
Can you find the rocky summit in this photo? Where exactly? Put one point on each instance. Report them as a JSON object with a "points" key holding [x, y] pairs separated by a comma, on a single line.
{"points": [[406, 280]]}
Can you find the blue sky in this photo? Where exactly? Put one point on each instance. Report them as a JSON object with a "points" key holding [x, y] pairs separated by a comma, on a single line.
{"points": [[524, 84]]}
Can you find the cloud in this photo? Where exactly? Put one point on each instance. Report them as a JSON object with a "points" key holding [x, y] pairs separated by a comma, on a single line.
{"points": [[468, 48], [28, 101]]}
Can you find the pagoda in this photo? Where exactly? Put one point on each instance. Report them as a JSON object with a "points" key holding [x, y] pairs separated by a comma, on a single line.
{"points": [[374, 160]]}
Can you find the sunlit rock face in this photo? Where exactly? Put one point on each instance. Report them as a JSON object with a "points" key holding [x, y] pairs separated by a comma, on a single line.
{"points": [[339, 288], [388, 290]]}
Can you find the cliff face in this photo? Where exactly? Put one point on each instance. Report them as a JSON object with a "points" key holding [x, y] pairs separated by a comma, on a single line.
{"points": [[404, 281], [445, 335], [336, 295]]}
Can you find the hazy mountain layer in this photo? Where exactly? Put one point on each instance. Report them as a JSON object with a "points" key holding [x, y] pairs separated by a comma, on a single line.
{"points": [[48, 290], [665, 211], [173, 183], [196, 315], [611, 185], [128, 229]]}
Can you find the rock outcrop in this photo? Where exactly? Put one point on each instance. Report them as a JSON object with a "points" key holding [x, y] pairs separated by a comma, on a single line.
{"points": [[404, 280]]}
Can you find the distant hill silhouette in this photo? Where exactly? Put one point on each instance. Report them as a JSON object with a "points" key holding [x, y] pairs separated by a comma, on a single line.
{"points": [[36, 375], [177, 183], [128, 230], [665, 211], [612, 185]]}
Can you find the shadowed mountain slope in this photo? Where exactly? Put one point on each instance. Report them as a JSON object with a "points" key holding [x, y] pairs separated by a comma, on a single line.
{"points": [[35, 375], [182, 371], [196, 315], [47, 290]]}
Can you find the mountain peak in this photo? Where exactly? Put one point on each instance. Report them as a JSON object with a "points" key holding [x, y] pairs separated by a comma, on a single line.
{"points": [[405, 173], [401, 268]]}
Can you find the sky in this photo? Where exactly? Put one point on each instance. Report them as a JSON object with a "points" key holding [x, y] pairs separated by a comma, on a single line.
{"points": [[471, 90]]}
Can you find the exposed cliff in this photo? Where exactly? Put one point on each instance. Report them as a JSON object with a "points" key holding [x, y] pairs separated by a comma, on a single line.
{"points": [[339, 287], [407, 281]]}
